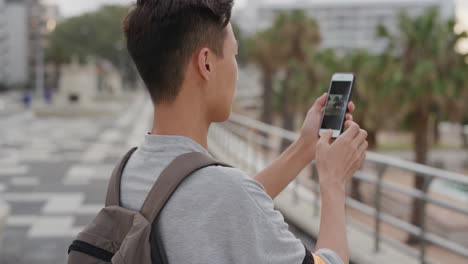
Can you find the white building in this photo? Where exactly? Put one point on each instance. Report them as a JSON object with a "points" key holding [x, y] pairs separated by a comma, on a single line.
{"points": [[25, 23], [17, 43], [345, 24], [3, 40]]}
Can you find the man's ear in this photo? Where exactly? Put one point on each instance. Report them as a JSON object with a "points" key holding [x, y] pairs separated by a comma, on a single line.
{"points": [[205, 65]]}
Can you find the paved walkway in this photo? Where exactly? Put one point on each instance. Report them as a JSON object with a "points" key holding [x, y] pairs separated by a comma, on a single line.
{"points": [[54, 172]]}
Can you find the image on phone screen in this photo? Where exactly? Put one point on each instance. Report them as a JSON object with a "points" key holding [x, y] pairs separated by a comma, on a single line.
{"points": [[335, 109]]}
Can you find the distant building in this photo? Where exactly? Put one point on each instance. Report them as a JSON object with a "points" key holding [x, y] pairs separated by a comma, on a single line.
{"points": [[16, 63], [27, 23], [3, 42], [345, 24]]}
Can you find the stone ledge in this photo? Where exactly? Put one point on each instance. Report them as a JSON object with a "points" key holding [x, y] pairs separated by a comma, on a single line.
{"points": [[77, 110]]}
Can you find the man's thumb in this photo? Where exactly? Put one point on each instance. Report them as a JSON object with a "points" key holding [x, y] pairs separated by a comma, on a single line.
{"points": [[326, 136]]}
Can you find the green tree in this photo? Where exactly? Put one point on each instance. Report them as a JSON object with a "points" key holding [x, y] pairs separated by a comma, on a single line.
{"points": [[261, 50], [296, 38], [376, 78], [97, 34], [426, 47], [458, 75], [241, 41]]}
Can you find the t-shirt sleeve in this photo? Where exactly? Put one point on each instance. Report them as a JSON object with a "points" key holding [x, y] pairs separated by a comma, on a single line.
{"points": [[273, 241], [284, 237]]}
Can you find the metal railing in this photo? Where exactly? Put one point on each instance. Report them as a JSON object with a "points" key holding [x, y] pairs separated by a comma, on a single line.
{"points": [[252, 144]]}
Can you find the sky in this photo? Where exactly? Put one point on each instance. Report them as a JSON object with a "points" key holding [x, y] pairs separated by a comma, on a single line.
{"points": [[76, 7]]}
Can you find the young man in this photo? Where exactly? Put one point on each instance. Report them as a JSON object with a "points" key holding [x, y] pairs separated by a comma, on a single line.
{"points": [[185, 51]]}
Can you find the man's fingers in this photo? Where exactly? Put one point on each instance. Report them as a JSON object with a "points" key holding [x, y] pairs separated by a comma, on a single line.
{"points": [[364, 154], [363, 147], [361, 137], [326, 137], [362, 158], [347, 124], [320, 102], [351, 132], [351, 107], [349, 117]]}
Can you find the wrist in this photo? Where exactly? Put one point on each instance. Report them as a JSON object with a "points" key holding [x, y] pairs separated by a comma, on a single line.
{"points": [[334, 193], [305, 149], [328, 186]]}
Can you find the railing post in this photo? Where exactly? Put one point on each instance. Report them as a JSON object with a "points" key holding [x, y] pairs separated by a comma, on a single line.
{"points": [[238, 145], [295, 194], [225, 138], [316, 189], [244, 154], [251, 157], [422, 234], [378, 205]]}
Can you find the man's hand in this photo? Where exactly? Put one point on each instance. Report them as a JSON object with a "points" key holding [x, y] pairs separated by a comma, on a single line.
{"points": [[296, 157], [309, 133], [338, 160]]}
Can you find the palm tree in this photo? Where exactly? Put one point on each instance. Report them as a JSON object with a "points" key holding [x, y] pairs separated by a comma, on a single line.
{"points": [[297, 37], [458, 76], [241, 40], [286, 48], [426, 47], [377, 77], [262, 52]]}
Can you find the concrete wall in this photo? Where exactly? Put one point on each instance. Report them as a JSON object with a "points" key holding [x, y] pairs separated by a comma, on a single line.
{"points": [[88, 81], [78, 80], [17, 31]]}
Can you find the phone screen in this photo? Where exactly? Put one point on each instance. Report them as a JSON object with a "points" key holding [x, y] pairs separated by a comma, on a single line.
{"points": [[335, 109]]}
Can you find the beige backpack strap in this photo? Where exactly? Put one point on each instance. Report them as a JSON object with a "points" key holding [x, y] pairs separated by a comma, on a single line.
{"points": [[170, 178], [113, 189]]}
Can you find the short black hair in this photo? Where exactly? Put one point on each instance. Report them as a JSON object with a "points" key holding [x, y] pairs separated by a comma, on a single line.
{"points": [[162, 35]]}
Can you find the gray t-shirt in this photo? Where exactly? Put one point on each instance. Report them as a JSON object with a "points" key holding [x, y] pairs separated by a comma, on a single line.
{"points": [[217, 215]]}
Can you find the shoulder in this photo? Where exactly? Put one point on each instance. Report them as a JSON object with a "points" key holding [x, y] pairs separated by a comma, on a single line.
{"points": [[223, 177], [236, 188], [223, 186], [220, 191]]}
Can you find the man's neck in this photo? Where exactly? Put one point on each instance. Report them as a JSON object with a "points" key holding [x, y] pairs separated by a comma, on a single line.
{"points": [[179, 120]]}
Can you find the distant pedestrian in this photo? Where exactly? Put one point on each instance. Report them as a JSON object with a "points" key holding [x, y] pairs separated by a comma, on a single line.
{"points": [[27, 100], [48, 96]]}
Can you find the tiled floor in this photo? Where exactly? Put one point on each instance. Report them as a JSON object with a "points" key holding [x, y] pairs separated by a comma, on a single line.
{"points": [[54, 172]]}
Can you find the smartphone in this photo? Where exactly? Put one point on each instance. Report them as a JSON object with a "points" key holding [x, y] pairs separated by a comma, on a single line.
{"points": [[339, 96]]}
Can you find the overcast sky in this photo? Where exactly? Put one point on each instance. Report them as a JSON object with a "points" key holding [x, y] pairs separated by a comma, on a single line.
{"points": [[76, 7]]}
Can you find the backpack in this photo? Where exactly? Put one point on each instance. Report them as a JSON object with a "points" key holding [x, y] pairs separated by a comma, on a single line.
{"points": [[118, 235]]}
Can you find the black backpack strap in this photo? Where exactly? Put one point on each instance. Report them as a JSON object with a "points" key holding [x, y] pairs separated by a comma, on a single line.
{"points": [[113, 189]]}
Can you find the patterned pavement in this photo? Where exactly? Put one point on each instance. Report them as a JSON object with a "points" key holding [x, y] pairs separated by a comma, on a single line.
{"points": [[54, 172]]}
